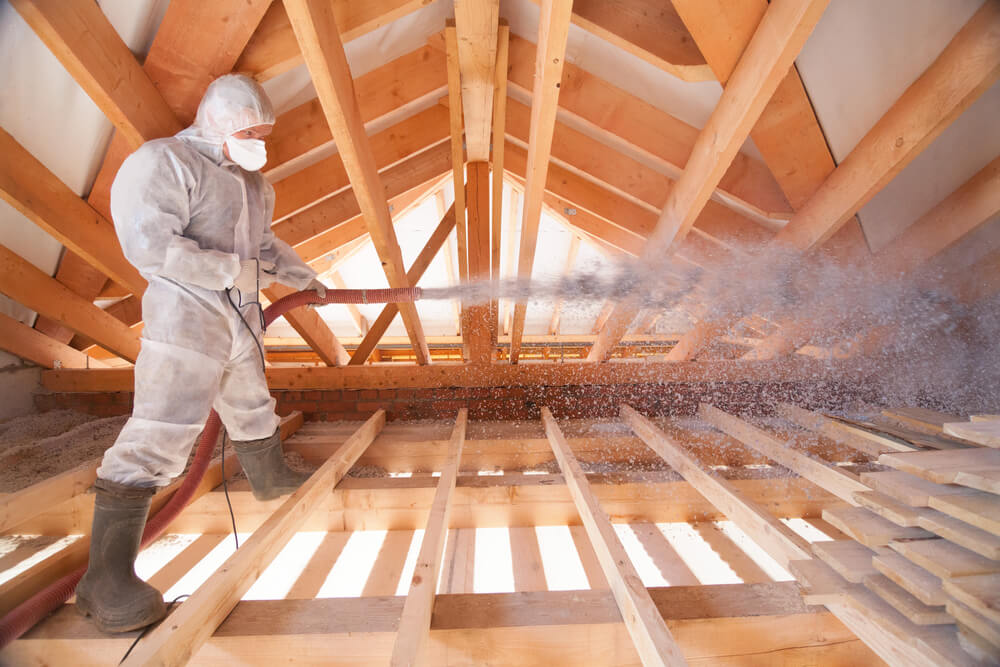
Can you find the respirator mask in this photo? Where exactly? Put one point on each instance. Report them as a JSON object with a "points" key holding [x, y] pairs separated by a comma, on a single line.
{"points": [[251, 154]]}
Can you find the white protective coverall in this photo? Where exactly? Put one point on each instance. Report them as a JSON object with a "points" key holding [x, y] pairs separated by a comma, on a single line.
{"points": [[186, 216]]}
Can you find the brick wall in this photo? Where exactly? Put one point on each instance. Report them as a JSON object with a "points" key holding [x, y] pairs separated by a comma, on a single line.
{"points": [[507, 403]]}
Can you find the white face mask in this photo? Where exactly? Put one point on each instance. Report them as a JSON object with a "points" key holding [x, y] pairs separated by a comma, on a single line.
{"points": [[251, 154]]}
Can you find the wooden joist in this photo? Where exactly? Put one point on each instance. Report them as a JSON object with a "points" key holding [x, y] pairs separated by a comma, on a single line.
{"points": [[553, 31], [25, 283], [763, 527], [652, 639], [175, 642], [415, 620], [88, 46], [830, 478], [781, 34], [420, 264], [316, 30]]}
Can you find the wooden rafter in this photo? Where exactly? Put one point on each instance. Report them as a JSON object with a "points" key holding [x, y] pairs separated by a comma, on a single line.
{"points": [[777, 41], [652, 639], [457, 147], [415, 621], [316, 30], [648, 29], [31, 287], [85, 42], [198, 617], [553, 31], [41, 197], [23, 341], [420, 264], [476, 23]]}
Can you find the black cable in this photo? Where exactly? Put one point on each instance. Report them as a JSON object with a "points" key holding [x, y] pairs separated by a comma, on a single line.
{"points": [[146, 629], [260, 347], [225, 489]]}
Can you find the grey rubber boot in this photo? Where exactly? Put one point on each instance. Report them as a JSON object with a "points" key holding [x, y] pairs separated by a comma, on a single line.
{"points": [[265, 467], [110, 592]]}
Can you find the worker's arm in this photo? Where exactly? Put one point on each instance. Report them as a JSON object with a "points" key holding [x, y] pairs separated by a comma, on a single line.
{"points": [[150, 207], [288, 266]]}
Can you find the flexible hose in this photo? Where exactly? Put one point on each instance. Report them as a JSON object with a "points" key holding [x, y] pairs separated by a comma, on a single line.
{"points": [[23, 617]]}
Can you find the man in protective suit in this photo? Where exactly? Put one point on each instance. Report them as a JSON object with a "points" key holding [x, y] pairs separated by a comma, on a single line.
{"points": [[193, 215]]}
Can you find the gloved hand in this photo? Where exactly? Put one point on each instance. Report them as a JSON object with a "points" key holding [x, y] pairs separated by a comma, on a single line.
{"points": [[254, 273], [319, 287]]}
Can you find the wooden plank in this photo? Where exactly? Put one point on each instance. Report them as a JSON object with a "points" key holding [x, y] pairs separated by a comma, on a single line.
{"points": [[830, 428], [316, 30], [21, 340], [41, 197], [476, 25], [922, 419], [273, 49], [415, 621], [869, 528], [961, 533], [652, 639], [552, 626], [979, 592], [457, 147], [416, 272], [907, 605], [833, 479], [526, 559], [820, 584], [781, 34], [916, 580], [910, 489], [775, 537], [553, 31], [945, 559], [198, 617], [986, 433], [88, 46], [477, 332], [23, 282], [980, 509], [889, 508], [849, 559], [975, 468], [967, 66], [881, 431], [308, 324], [975, 621]]}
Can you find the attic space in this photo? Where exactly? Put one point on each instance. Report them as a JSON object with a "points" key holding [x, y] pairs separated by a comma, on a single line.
{"points": [[500, 332]]}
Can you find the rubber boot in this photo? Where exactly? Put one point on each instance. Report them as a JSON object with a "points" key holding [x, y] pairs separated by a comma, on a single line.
{"points": [[265, 467], [110, 592]]}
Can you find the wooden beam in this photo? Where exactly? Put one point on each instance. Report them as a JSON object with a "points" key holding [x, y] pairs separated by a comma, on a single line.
{"points": [[457, 146], [476, 328], [312, 328], [416, 272], [652, 639], [88, 46], [574, 249], [23, 282], [41, 197], [647, 29], [830, 478], [967, 66], [779, 540], [742, 621], [476, 24], [778, 39], [327, 177], [415, 621], [274, 50], [553, 32], [21, 340], [316, 30], [198, 617], [496, 212]]}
